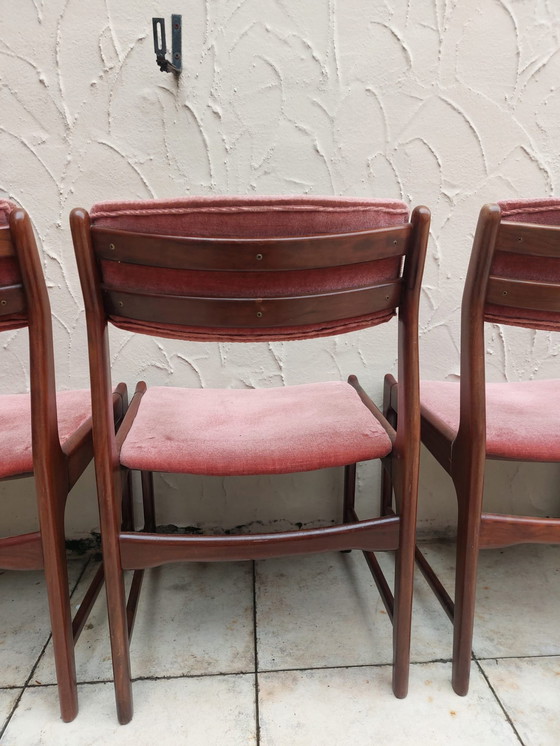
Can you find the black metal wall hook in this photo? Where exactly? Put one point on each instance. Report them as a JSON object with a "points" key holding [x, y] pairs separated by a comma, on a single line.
{"points": [[160, 47]]}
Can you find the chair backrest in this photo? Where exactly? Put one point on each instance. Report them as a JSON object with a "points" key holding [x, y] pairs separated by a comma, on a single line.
{"points": [[247, 269], [513, 278], [24, 302], [12, 294], [524, 281]]}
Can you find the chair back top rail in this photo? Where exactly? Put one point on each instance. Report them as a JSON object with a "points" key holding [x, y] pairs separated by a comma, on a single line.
{"points": [[250, 254]]}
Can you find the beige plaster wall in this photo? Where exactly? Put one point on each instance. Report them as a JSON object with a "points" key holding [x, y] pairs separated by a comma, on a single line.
{"points": [[446, 103]]}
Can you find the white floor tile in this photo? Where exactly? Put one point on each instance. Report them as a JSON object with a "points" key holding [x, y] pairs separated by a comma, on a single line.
{"points": [[356, 706], [25, 621], [517, 602], [325, 610], [193, 618], [8, 699], [529, 689], [210, 711]]}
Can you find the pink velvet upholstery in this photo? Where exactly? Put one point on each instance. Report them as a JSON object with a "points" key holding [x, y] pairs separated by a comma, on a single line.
{"points": [[252, 431], [522, 419], [520, 267], [249, 217], [16, 457], [9, 272]]}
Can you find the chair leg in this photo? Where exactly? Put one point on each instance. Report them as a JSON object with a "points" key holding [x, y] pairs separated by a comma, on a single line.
{"points": [[402, 617], [405, 474], [56, 578], [118, 630], [148, 500], [386, 502], [349, 493], [127, 501], [109, 485], [465, 597]]}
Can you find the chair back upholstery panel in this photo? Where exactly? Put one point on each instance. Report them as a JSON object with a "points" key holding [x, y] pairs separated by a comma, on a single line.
{"points": [[243, 269], [524, 283], [12, 298]]}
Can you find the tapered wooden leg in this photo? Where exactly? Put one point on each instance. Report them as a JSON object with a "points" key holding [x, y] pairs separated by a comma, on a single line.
{"points": [[109, 486], [148, 500], [118, 630], [51, 520], [349, 493], [402, 619], [406, 491], [127, 501], [465, 597], [386, 503]]}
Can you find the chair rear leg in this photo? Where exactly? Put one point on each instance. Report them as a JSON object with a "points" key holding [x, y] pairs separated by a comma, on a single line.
{"points": [[349, 493], [402, 617], [56, 577], [465, 597], [109, 486], [127, 500], [404, 577], [148, 500], [386, 502]]}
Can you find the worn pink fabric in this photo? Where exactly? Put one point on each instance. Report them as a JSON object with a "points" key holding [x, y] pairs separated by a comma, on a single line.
{"points": [[9, 272], [522, 419], [519, 267], [16, 456], [249, 217], [252, 431]]}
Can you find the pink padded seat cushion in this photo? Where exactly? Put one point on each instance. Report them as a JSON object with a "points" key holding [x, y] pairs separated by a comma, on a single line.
{"points": [[9, 272], [249, 217], [252, 431], [517, 266], [16, 457], [522, 419]]}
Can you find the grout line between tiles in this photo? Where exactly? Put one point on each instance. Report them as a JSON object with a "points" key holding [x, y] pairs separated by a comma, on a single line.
{"points": [[257, 712], [499, 701], [217, 674], [26, 685], [514, 657]]}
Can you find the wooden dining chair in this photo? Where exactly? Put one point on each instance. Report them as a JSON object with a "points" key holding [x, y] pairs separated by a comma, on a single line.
{"points": [[46, 435], [513, 278], [246, 270]]}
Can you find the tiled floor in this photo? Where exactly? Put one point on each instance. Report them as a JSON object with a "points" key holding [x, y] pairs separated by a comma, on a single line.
{"points": [[293, 651]]}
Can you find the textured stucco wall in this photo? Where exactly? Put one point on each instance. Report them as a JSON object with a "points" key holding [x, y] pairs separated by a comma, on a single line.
{"points": [[446, 103]]}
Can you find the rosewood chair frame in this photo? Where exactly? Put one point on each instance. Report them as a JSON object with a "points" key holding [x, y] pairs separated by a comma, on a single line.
{"points": [[127, 550], [463, 453], [56, 468]]}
